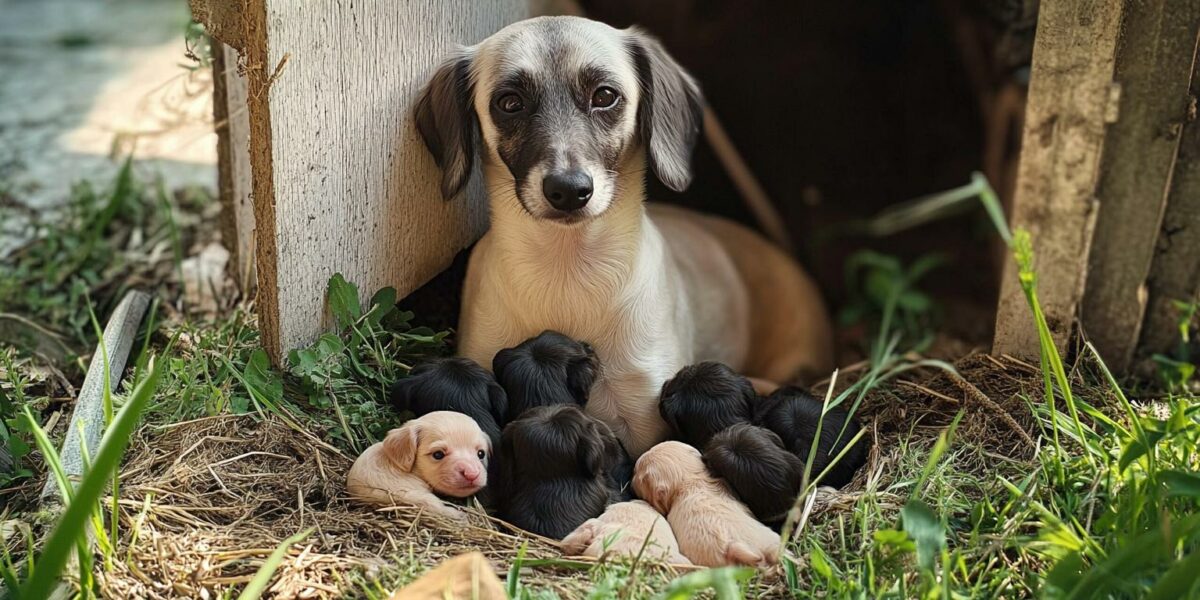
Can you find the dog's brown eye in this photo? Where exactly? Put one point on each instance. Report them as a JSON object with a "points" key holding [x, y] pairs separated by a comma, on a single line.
{"points": [[439, 455], [482, 454], [510, 103], [604, 97]]}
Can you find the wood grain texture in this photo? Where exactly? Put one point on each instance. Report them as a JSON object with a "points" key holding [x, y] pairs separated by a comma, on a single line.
{"points": [[342, 181], [1071, 99], [1154, 68], [1175, 274], [233, 165]]}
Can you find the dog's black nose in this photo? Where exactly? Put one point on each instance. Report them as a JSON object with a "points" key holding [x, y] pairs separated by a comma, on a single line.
{"points": [[567, 190]]}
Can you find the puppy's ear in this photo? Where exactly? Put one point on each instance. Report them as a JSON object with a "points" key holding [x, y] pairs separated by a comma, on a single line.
{"points": [[400, 446], [670, 111], [447, 122], [581, 374], [497, 402], [597, 450]]}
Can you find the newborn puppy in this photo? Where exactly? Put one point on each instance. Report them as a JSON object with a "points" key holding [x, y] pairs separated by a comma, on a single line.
{"points": [[755, 463], [454, 384], [793, 415], [546, 370], [554, 369], [712, 527], [442, 452], [555, 465], [624, 527], [703, 399]]}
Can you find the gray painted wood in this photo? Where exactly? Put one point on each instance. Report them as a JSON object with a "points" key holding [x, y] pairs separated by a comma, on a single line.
{"points": [[351, 187], [87, 419]]}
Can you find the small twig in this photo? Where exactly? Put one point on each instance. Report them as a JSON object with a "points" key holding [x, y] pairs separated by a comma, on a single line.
{"points": [[975, 394]]}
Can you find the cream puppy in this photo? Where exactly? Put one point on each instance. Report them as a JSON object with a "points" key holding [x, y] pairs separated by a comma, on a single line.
{"points": [[624, 526], [566, 116], [442, 452], [713, 528]]}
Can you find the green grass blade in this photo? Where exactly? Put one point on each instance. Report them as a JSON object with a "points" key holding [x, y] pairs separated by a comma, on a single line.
{"points": [[50, 455], [65, 536], [1179, 581], [258, 585]]}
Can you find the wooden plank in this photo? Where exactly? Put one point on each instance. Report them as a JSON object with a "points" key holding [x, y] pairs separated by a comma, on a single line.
{"points": [[1175, 274], [1153, 69], [1070, 101], [87, 418], [342, 181], [232, 120]]}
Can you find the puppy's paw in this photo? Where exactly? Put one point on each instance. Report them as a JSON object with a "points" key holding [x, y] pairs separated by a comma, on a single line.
{"points": [[738, 553], [578, 541]]}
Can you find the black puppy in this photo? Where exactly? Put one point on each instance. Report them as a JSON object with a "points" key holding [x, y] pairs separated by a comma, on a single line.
{"points": [[554, 369], [703, 399], [554, 474], [546, 370], [455, 384], [755, 463], [793, 415]]}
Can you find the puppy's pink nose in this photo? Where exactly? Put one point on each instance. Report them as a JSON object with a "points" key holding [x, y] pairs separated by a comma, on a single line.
{"points": [[469, 473]]}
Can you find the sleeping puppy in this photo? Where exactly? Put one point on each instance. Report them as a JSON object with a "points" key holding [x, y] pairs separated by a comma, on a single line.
{"points": [[546, 370], [793, 415], [703, 399], [454, 384], [623, 530], [712, 527], [755, 463], [555, 464], [554, 369], [442, 452]]}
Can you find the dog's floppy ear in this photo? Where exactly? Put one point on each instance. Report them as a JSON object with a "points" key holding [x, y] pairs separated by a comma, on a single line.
{"points": [[447, 122], [400, 446], [670, 111]]}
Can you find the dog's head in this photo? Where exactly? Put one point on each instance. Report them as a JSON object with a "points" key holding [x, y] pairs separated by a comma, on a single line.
{"points": [[703, 399], [665, 470], [557, 442], [446, 449], [755, 463], [563, 103], [455, 384], [548, 369]]}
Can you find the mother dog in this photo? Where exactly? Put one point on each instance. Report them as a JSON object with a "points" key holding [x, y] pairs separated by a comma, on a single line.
{"points": [[567, 113]]}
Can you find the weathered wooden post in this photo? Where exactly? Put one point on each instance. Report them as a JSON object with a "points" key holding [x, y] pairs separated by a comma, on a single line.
{"points": [[340, 179], [1109, 148]]}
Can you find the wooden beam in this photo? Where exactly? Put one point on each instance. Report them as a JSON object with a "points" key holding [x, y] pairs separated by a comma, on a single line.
{"points": [[232, 119], [1153, 69], [1175, 274], [341, 180], [1071, 99]]}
